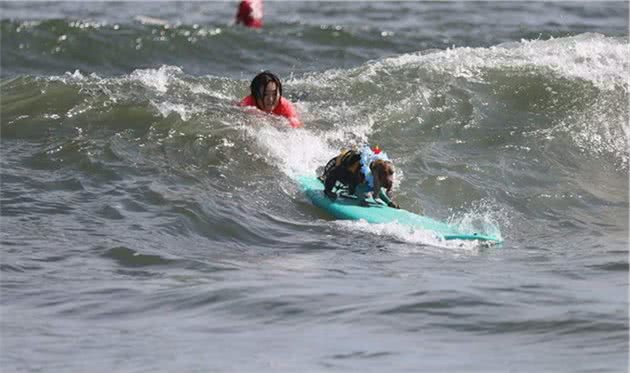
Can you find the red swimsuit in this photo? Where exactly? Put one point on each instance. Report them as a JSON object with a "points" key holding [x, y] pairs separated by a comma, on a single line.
{"points": [[250, 13], [284, 108]]}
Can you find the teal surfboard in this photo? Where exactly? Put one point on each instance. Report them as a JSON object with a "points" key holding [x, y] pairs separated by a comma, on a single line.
{"points": [[349, 208]]}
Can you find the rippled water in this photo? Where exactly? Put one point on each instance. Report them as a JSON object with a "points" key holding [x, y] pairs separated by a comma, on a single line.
{"points": [[150, 224]]}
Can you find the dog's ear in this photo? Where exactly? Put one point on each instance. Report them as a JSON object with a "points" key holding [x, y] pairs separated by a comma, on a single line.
{"points": [[377, 173], [390, 170]]}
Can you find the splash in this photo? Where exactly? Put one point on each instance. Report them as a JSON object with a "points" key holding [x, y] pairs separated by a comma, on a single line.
{"points": [[295, 151], [157, 79], [302, 151], [166, 108], [483, 216], [424, 241]]}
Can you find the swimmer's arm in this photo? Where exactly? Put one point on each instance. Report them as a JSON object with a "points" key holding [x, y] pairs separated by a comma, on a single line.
{"points": [[247, 101], [295, 122], [288, 110]]}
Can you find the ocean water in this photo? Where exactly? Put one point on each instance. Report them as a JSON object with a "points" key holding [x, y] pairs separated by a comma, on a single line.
{"points": [[149, 224]]}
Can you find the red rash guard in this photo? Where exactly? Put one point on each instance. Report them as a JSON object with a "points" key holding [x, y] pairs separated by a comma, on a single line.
{"points": [[250, 13], [284, 108]]}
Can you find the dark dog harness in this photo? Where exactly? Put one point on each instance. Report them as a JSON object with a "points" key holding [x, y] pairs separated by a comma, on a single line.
{"points": [[349, 160]]}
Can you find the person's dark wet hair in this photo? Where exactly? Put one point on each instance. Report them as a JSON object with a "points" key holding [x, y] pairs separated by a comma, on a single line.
{"points": [[260, 82]]}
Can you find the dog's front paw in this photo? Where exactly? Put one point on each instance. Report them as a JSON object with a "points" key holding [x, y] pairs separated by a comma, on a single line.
{"points": [[365, 203], [330, 194]]}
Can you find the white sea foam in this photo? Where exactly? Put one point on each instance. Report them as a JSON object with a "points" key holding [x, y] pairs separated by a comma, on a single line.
{"points": [[426, 241], [295, 152], [601, 60], [483, 216], [184, 111], [157, 79]]}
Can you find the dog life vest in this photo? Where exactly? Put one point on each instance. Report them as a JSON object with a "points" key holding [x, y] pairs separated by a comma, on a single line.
{"points": [[353, 160], [348, 159]]}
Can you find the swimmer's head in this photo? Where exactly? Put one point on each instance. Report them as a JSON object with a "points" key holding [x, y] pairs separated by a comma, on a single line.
{"points": [[266, 90]]}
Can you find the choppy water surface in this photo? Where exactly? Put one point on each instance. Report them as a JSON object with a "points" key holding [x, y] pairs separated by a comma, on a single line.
{"points": [[150, 224]]}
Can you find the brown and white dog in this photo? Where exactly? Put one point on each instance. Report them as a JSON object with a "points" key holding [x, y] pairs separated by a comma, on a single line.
{"points": [[353, 169]]}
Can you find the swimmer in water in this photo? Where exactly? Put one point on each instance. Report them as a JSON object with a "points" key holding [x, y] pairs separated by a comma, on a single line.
{"points": [[250, 13], [266, 95]]}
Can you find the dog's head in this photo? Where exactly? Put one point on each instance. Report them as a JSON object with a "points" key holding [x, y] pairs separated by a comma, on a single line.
{"points": [[383, 172]]}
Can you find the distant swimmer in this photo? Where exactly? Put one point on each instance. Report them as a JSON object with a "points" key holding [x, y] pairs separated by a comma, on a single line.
{"points": [[250, 13], [266, 95]]}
